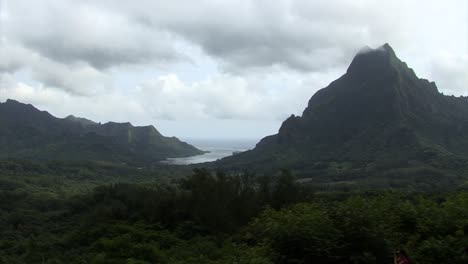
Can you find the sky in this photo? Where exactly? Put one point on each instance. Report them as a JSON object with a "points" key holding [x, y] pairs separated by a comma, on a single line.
{"points": [[213, 69]]}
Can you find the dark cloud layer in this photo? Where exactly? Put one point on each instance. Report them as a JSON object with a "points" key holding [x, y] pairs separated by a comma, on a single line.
{"points": [[298, 35], [77, 31]]}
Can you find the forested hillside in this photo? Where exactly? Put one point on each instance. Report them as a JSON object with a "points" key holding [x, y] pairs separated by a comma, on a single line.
{"points": [[52, 214]]}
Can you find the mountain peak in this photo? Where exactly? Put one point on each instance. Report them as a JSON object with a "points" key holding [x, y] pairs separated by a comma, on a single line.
{"points": [[18, 108], [387, 48], [378, 111], [11, 101], [384, 49], [370, 61], [14, 103], [80, 120]]}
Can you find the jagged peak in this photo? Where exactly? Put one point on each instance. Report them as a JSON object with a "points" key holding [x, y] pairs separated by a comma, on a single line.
{"points": [[80, 120], [11, 101], [369, 61], [387, 48], [123, 124], [14, 104], [72, 118], [383, 49]]}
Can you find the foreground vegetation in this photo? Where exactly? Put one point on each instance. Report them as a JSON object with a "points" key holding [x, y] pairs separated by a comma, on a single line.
{"points": [[49, 217]]}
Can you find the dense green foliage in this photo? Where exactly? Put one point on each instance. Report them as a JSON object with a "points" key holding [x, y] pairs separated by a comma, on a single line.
{"points": [[217, 218], [27, 133]]}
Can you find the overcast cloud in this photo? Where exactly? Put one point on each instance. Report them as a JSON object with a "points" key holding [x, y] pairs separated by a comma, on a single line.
{"points": [[213, 63]]}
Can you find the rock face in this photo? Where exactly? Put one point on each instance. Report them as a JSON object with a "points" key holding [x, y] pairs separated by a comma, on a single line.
{"points": [[378, 112], [27, 133]]}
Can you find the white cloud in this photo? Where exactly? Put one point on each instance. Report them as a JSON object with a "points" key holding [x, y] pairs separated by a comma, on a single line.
{"points": [[451, 72], [75, 78], [167, 97], [227, 96], [61, 103]]}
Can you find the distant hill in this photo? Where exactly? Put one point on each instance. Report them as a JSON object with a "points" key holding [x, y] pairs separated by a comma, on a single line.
{"points": [[377, 117], [28, 133]]}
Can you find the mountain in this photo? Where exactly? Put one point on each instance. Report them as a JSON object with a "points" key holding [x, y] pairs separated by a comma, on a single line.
{"points": [[80, 120], [27, 133], [379, 116]]}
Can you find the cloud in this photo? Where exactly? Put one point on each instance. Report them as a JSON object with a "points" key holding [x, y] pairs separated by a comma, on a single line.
{"points": [[79, 32], [221, 97], [77, 78], [242, 35], [299, 35], [167, 97], [10, 58], [451, 71], [303, 35], [104, 107]]}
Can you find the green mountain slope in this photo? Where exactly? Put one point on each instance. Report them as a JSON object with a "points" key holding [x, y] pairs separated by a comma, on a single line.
{"points": [[26, 132], [378, 116]]}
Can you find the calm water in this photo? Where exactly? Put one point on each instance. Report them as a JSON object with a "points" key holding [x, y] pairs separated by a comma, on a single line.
{"points": [[217, 149]]}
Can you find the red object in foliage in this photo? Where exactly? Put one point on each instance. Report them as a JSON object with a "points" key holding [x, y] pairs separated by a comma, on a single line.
{"points": [[401, 258]]}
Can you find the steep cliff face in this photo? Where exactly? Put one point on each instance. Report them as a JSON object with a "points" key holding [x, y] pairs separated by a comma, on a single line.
{"points": [[26, 132], [378, 110]]}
